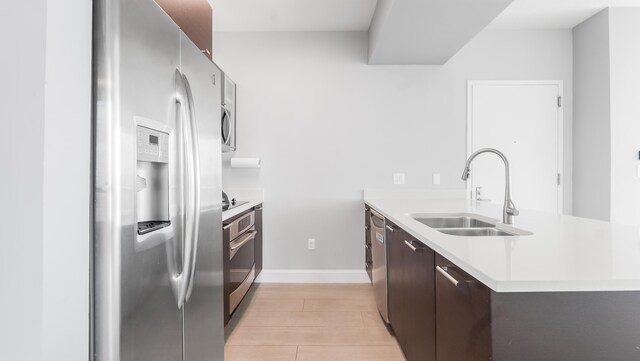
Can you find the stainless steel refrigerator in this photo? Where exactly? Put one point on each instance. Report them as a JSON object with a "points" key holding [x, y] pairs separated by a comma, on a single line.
{"points": [[157, 237]]}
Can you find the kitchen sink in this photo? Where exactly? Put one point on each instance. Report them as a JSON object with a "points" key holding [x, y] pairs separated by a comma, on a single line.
{"points": [[453, 222], [468, 225], [476, 232]]}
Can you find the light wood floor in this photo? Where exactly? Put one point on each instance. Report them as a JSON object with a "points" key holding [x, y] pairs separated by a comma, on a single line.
{"points": [[309, 322]]}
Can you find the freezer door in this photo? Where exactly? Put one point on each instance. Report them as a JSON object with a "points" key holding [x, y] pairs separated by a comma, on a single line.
{"points": [[203, 310], [135, 312]]}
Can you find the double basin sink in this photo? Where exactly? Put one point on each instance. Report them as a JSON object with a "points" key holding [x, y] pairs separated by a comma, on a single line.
{"points": [[467, 225]]}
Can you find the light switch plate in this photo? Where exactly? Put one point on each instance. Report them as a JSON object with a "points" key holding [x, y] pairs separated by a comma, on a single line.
{"points": [[436, 178], [398, 178]]}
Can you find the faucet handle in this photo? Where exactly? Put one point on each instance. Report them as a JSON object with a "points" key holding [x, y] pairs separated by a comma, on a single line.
{"points": [[511, 209]]}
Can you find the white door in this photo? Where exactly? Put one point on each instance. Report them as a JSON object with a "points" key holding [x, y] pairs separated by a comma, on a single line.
{"points": [[524, 121]]}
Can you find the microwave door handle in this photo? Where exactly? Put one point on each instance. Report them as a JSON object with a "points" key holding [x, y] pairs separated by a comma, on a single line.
{"points": [[226, 118], [193, 174]]}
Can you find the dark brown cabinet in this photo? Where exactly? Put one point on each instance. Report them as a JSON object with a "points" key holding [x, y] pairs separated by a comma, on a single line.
{"points": [[226, 283], [411, 289], [440, 312], [258, 240], [368, 260], [463, 315], [194, 17]]}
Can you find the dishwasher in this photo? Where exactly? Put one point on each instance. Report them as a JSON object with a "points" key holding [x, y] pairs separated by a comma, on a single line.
{"points": [[379, 260]]}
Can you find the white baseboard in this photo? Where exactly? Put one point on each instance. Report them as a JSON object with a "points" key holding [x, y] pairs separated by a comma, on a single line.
{"points": [[312, 276]]}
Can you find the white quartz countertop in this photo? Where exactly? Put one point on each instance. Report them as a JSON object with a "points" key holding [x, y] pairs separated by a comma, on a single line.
{"points": [[564, 253], [253, 196], [240, 209]]}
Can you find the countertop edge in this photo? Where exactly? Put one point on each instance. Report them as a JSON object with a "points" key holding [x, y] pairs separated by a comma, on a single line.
{"points": [[509, 286], [241, 209]]}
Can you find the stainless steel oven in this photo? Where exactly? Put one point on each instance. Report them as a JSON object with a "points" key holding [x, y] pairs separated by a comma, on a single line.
{"points": [[241, 257]]}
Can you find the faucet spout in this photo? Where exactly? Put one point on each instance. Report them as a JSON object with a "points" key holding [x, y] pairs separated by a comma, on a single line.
{"points": [[509, 210]]}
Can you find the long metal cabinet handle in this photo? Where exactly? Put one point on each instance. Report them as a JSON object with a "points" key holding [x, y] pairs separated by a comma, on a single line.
{"points": [[390, 228], [194, 187], [449, 277], [410, 245]]}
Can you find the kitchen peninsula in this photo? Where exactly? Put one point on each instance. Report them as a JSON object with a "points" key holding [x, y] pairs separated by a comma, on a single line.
{"points": [[562, 288]]}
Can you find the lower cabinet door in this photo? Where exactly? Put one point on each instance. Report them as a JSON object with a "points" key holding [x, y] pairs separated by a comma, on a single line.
{"points": [[463, 315], [258, 239], [420, 304], [412, 295]]}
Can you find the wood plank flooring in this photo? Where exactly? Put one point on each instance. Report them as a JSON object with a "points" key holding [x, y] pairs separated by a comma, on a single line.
{"points": [[309, 322]]}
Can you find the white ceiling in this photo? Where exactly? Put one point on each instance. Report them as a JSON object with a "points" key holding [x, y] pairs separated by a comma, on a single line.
{"points": [[552, 14], [292, 15], [355, 15]]}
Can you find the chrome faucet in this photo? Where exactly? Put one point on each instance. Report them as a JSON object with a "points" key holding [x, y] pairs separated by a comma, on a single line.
{"points": [[509, 211]]}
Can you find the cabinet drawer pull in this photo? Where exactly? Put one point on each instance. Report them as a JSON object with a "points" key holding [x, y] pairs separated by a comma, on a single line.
{"points": [[410, 245], [450, 278], [390, 228]]}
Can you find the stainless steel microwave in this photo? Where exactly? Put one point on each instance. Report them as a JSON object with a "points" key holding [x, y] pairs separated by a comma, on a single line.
{"points": [[228, 122]]}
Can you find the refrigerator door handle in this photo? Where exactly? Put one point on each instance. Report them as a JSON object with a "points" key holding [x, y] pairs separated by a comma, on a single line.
{"points": [[178, 278], [194, 189], [189, 190]]}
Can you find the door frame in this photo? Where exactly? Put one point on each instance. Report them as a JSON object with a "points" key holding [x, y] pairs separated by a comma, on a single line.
{"points": [[560, 126]]}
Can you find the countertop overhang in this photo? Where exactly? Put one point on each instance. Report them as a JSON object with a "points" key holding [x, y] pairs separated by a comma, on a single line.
{"points": [[564, 254]]}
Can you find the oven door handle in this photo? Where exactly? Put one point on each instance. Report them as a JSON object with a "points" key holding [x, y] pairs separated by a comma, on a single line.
{"points": [[235, 246]]}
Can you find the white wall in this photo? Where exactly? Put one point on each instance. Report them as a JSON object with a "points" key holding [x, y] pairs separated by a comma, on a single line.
{"points": [[44, 187], [21, 179], [591, 126], [607, 116], [67, 176], [327, 125], [625, 115]]}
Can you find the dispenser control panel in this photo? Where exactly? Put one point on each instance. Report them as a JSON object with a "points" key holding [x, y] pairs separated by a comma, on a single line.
{"points": [[153, 146]]}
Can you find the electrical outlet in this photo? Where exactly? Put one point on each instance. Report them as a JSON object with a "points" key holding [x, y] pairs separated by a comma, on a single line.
{"points": [[436, 178], [311, 244], [398, 178]]}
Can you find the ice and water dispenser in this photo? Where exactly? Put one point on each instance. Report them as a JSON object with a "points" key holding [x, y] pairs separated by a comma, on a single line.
{"points": [[152, 180]]}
